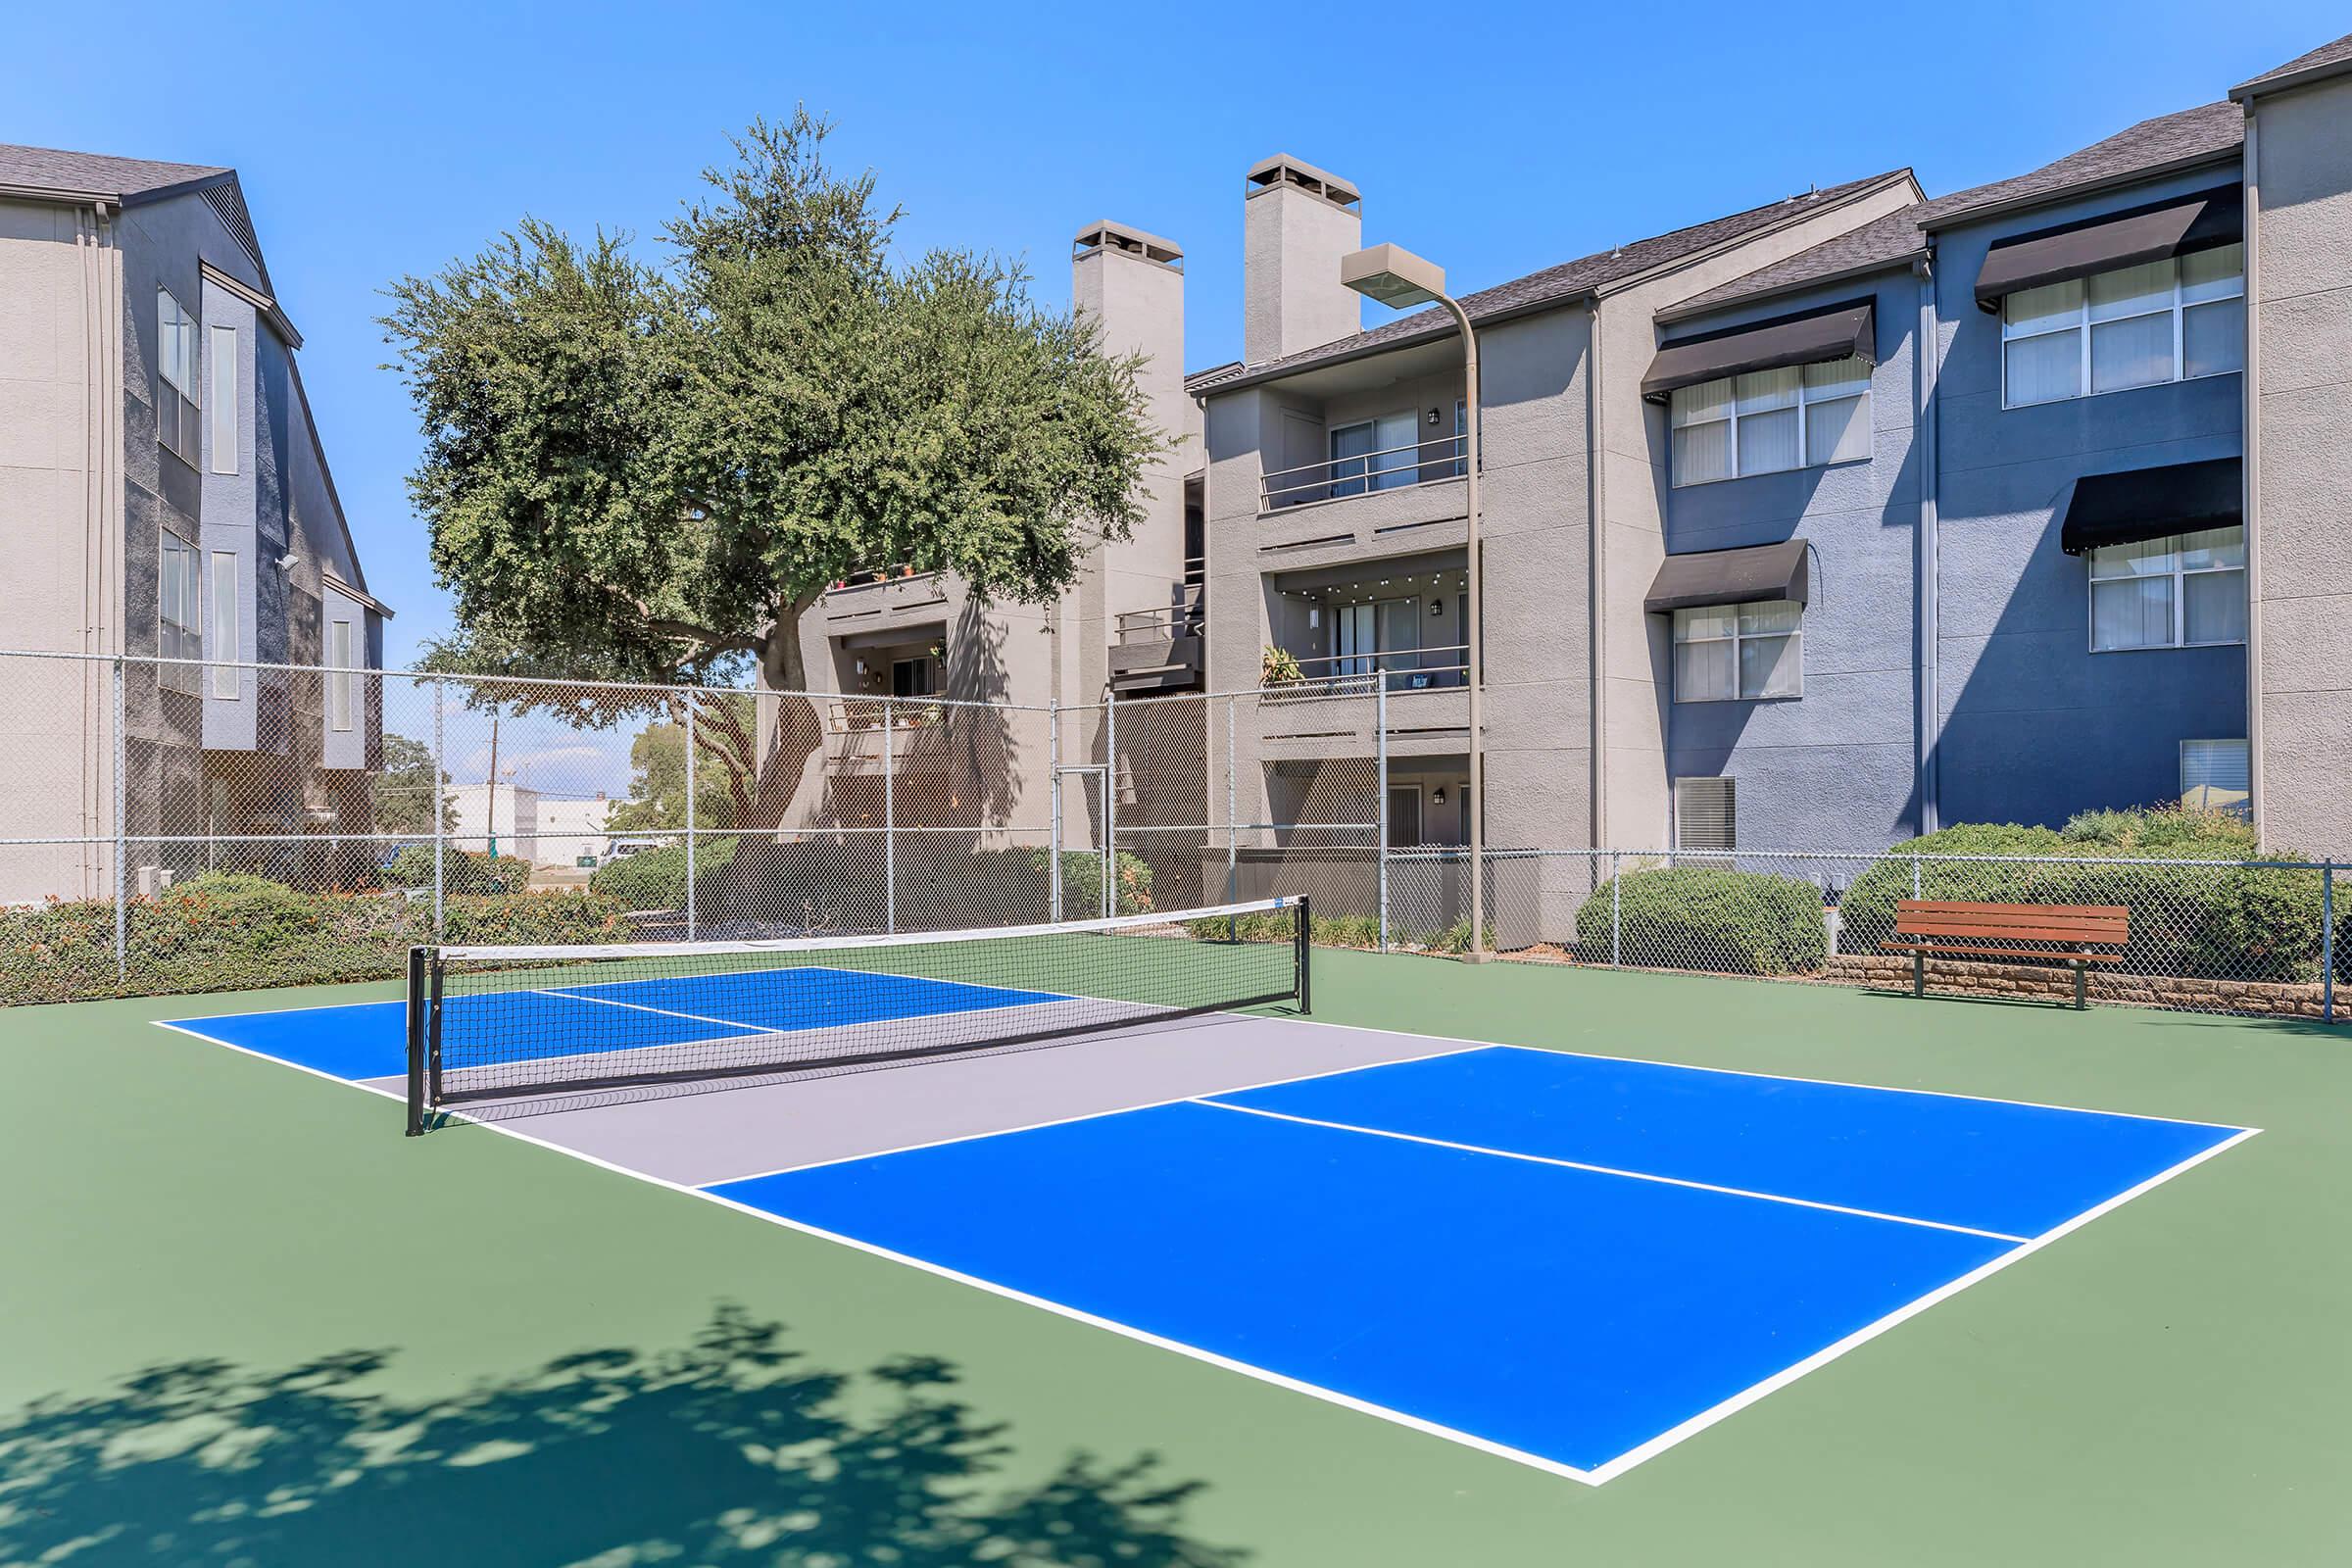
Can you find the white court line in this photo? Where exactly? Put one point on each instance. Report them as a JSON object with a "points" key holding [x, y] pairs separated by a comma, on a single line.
{"points": [[1084, 1115], [1775, 1077], [639, 1006], [1609, 1171], [1595, 1476], [1033, 995]]}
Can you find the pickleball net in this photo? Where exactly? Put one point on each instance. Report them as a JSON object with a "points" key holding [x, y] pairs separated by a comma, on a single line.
{"points": [[487, 1022]]}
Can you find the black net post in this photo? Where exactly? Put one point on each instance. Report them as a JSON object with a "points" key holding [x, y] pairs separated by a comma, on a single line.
{"points": [[416, 966], [432, 1030], [1307, 1000]]}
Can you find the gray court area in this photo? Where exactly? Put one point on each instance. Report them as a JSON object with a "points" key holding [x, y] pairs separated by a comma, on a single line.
{"points": [[718, 1130]]}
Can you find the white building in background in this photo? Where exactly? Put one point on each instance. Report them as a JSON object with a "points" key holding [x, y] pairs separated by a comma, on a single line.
{"points": [[545, 830]]}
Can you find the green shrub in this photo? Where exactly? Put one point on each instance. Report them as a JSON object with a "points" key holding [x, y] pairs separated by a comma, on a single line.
{"points": [[2227, 922], [462, 871], [234, 932], [655, 879], [1081, 882], [1707, 917]]}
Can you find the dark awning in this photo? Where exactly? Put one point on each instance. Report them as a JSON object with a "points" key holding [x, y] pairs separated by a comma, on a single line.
{"points": [[2124, 508], [2199, 222], [1730, 577], [1843, 333]]}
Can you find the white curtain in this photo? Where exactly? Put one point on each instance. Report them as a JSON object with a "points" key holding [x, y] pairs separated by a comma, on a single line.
{"points": [[1768, 422], [2043, 368], [1702, 672], [2131, 612], [2134, 352], [2213, 338], [2216, 607]]}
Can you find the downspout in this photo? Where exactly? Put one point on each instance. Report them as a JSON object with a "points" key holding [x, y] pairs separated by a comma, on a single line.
{"points": [[2249, 467], [1595, 577], [1926, 361]]}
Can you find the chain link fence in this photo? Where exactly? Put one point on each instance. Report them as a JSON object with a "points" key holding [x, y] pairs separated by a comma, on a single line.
{"points": [[173, 827]]}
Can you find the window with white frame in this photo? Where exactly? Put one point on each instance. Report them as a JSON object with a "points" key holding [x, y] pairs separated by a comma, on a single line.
{"points": [[339, 680], [221, 361], [1729, 652], [179, 618], [175, 368], [1706, 813], [1769, 421], [2181, 591], [224, 623], [2169, 321], [2216, 775]]}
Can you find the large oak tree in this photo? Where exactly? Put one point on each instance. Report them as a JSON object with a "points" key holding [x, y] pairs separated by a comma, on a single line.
{"points": [[648, 469]]}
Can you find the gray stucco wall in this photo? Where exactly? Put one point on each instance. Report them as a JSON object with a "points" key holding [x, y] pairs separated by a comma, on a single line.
{"points": [[2302, 298], [2036, 727], [1834, 767]]}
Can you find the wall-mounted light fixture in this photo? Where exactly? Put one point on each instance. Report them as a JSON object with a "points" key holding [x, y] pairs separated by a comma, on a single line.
{"points": [[1437, 796], [1433, 417]]}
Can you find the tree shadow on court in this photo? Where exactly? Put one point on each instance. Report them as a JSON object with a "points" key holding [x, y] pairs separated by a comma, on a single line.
{"points": [[731, 1450]]}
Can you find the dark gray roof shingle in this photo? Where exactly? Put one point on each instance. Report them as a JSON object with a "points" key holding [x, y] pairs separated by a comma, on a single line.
{"points": [[2327, 60], [1882, 242], [96, 175], [2168, 141], [1556, 285]]}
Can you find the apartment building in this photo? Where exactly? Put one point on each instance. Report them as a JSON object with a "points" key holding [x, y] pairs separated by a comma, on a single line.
{"points": [[1830, 521], [165, 494]]}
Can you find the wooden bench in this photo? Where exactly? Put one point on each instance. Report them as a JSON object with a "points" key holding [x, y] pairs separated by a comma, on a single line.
{"points": [[1925, 929]]}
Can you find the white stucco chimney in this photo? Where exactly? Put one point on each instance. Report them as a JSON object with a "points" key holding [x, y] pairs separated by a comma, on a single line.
{"points": [[1298, 221]]}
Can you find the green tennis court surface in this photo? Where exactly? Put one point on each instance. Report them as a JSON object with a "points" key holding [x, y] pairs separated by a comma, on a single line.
{"points": [[249, 1322]]}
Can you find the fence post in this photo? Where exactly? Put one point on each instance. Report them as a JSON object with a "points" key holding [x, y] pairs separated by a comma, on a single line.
{"points": [[889, 820], [121, 801], [1915, 893], [1616, 904], [1054, 807], [2327, 941], [1233, 812], [692, 703], [1110, 803], [440, 804], [1380, 789]]}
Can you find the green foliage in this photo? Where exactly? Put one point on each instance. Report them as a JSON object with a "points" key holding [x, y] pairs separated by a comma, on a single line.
{"points": [[2226, 923], [462, 871], [1278, 667], [649, 471], [227, 931], [403, 792], [657, 799], [655, 879], [1705, 917], [1081, 882]]}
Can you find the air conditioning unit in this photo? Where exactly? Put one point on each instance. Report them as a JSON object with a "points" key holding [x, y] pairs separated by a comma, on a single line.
{"points": [[154, 879]]}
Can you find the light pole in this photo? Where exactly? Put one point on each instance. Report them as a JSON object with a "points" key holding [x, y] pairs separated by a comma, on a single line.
{"points": [[1397, 278]]}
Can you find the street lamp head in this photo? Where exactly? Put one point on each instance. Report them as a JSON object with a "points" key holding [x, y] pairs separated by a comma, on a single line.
{"points": [[1393, 275]]}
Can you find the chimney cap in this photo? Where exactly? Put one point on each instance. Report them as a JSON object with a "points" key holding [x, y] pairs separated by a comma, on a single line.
{"points": [[1126, 239], [1283, 170]]}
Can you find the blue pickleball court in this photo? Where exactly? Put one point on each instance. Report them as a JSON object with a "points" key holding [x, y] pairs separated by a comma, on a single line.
{"points": [[1569, 1260]]}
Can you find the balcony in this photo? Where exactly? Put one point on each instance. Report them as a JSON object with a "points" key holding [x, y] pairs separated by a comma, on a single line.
{"points": [[895, 599], [1420, 670], [1356, 473], [1163, 650]]}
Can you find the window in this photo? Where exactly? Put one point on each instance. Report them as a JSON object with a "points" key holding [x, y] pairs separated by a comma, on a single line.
{"points": [[175, 369], [179, 621], [1723, 653], [2215, 776], [1383, 634], [914, 677], [224, 623], [1768, 422], [1404, 816], [339, 679], [2183, 591], [2169, 321], [1375, 453], [221, 361], [1706, 814]]}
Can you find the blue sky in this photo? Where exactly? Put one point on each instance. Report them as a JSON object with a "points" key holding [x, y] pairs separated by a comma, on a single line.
{"points": [[377, 141]]}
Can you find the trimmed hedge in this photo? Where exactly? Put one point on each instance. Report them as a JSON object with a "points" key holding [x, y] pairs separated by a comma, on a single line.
{"points": [[234, 932], [655, 879], [465, 871], [2226, 923], [1707, 917], [1081, 882]]}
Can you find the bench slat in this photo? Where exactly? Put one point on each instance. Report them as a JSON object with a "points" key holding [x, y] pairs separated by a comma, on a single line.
{"points": [[2116, 910], [2014, 933], [1935, 950]]}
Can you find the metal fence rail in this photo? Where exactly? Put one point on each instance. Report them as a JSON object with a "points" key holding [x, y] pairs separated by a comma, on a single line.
{"points": [[181, 825]]}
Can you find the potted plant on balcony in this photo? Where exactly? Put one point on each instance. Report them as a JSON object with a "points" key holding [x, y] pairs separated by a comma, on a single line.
{"points": [[1279, 667]]}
